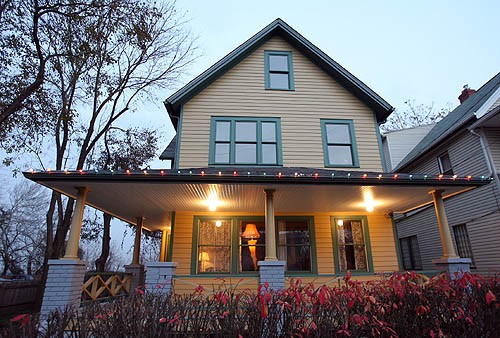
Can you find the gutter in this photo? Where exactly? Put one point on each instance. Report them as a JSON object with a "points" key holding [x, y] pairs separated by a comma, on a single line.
{"points": [[487, 154]]}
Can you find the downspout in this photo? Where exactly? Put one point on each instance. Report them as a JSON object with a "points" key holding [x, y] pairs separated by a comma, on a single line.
{"points": [[487, 154]]}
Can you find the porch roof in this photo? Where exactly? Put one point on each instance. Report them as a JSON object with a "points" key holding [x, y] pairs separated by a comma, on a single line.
{"points": [[154, 194]]}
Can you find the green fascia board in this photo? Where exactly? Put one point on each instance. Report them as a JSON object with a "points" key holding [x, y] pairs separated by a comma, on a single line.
{"points": [[179, 135], [380, 146], [279, 27], [354, 146]]}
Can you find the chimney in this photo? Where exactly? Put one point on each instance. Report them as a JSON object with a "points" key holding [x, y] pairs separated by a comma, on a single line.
{"points": [[466, 93]]}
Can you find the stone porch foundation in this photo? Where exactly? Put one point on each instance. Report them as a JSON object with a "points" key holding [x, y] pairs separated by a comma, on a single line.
{"points": [[159, 276], [137, 271], [453, 265], [272, 272], [64, 285]]}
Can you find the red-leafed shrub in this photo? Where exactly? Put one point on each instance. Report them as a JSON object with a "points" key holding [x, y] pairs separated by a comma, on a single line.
{"points": [[396, 306]]}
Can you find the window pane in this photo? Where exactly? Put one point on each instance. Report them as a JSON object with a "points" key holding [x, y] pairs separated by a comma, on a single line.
{"points": [[269, 154], [222, 153], [268, 132], [278, 81], [214, 250], [211, 234], [246, 131], [214, 259], [278, 63], [445, 164], [245, 153], [222, 130], [338, 133], [294, 245], [351, 246], [252, 248], [340, 155]]}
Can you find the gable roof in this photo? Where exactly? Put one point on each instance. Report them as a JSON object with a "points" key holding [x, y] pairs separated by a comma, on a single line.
{"points": [[278, 27], [169, 152], [456, 119]]}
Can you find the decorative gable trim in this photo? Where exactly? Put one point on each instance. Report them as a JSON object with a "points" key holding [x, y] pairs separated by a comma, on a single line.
{"points": [[381, 108]]}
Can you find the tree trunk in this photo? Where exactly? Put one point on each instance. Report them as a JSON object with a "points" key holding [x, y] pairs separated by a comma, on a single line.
{"points": [[100, 263]]}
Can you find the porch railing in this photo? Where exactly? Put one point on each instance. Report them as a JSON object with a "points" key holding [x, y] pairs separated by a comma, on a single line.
{"points": [[104, 285]]}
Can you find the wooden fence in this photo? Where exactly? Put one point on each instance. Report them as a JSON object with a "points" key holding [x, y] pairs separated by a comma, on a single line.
{"points": [[18, 296], [105, 285]]}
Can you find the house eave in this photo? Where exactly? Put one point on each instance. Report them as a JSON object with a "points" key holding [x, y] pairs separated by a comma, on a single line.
{"points": [[381, 108]]}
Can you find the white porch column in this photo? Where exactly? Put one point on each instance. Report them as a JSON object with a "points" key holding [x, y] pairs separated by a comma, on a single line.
{"points": [[271, 271], [76, 224], [65, 277], [271, 253], [137, 242], [164, 245], [450, 262], [444, 228], [136, 269]]}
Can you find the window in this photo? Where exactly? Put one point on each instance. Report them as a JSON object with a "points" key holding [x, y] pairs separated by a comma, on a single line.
{"points": [[294, 244], [444, 164], [352, 245], [278, 70], [410, 253], [245, 141], [252, 248], [462, 241], [235, 244], [339, 143], [214, 246]]}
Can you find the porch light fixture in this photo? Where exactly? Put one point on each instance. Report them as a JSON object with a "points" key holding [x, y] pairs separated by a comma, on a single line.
{"points": [[213, 201], [340, 222], [251, 233], [218, 224], [369, 203]]}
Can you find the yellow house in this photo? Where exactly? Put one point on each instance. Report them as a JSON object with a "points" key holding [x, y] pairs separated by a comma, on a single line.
{"points": [[277, 173]]}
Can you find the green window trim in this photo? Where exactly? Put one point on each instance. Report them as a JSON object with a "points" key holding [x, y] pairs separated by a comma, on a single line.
{"points": [[352, 144], [235, 244], [268, 71], [366, 235], [232, 142]]}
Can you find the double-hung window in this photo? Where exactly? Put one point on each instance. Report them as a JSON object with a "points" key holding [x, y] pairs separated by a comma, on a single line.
{"points": [[410, 253], [236, 244], [462, 241], [352, 245], [339, 143], [278, 70], [245, 141], [444, 164]]}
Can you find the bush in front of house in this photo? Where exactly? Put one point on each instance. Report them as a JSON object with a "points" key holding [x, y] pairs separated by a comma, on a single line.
{"points": [[396, 306]]}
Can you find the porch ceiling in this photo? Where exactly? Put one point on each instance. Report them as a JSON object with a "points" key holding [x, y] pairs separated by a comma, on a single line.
{"points": [[156, 194]]}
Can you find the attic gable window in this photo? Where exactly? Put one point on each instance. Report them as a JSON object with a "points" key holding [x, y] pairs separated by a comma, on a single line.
{"points": [[444, 164], [278, 70], [339, 143], [245, 141]]}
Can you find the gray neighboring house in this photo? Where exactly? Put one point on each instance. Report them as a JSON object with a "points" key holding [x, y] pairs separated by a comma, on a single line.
{"points": [[466, 142], [398, 143]]}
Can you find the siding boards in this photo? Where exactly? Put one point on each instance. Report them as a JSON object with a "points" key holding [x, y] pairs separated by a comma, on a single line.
{"points": [[478, 208], [493, 136], [240, 92]]}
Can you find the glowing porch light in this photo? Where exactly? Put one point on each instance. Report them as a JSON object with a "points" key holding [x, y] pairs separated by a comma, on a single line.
{"points": [[218, 224], [213, 201], [340, 222], [369, 203]]}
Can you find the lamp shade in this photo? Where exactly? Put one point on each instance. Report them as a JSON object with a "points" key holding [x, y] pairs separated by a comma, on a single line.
{"points": [[204, 257], [250, 231]]}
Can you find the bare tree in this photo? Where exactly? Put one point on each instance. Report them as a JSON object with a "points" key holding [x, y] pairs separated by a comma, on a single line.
{"points": [[22, 236], [414, 115]]}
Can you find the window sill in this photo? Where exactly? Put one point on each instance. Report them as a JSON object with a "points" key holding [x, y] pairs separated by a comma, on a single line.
{"points": [[281, 90], [341, 166]]}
